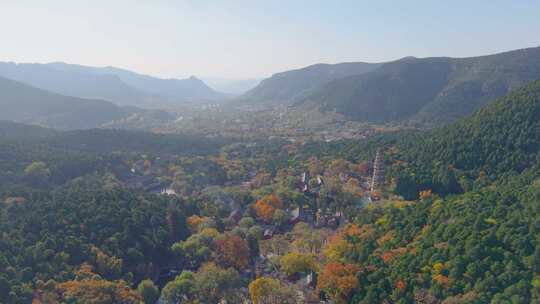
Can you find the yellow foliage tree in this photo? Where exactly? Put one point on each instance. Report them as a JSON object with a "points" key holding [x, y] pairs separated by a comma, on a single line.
{"points": [[335, 249], [307, 239], [438, 268], [266, 290], [295, 262], [345, 240]]}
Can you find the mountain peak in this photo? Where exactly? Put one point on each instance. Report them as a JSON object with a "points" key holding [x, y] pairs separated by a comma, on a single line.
{"points": [[118, 85]]}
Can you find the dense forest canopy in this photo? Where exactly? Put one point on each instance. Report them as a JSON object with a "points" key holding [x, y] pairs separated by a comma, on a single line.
{"points": [[501, 139]]}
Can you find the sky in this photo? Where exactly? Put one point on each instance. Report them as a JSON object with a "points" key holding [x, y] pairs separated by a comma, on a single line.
{"points": [[254, 38]]}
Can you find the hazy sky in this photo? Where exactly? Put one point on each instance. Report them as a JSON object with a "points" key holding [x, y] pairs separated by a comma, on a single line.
{"points": [[241, 39]]}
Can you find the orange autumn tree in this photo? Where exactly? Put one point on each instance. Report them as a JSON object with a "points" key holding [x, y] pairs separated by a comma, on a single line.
{"points": [[338, 281], [390, 255], [401, 285], [98, 292], [425, 194], [442, 280], [354, 233], [346, 240], [274, 201], [193, 222], [265, 207], [232, 251], [264, 211], [89, 287]]}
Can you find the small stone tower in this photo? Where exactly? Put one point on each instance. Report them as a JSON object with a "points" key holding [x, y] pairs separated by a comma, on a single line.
{"points": [[378, 172]]}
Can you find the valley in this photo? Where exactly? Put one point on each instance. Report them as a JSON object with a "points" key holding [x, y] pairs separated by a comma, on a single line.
{"points": [[245, 122]]}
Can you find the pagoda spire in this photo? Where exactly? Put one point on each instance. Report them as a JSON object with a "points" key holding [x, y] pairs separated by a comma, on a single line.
{"points": [[378, 172]]}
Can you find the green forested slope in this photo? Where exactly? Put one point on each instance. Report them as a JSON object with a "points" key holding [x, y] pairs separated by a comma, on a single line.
{"points": [[479, 247], [476, 237], [69, 154], [503, 138], [121, 234], [23, 103], [286, 87], [428, 90]]}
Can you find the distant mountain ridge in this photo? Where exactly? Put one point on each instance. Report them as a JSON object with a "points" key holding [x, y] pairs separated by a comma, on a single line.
{"points": [[188, 88], [428, 90], [286, 87], [22, 103], [418, 91], [119, 86], [74, 83]]}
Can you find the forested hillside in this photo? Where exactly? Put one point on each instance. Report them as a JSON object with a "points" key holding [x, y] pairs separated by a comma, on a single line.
{"points": [[71, 154], [428, 90], [499, 140], [477, 247], [26, 104], [286, 87], [23, 103], [113, 233]]}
